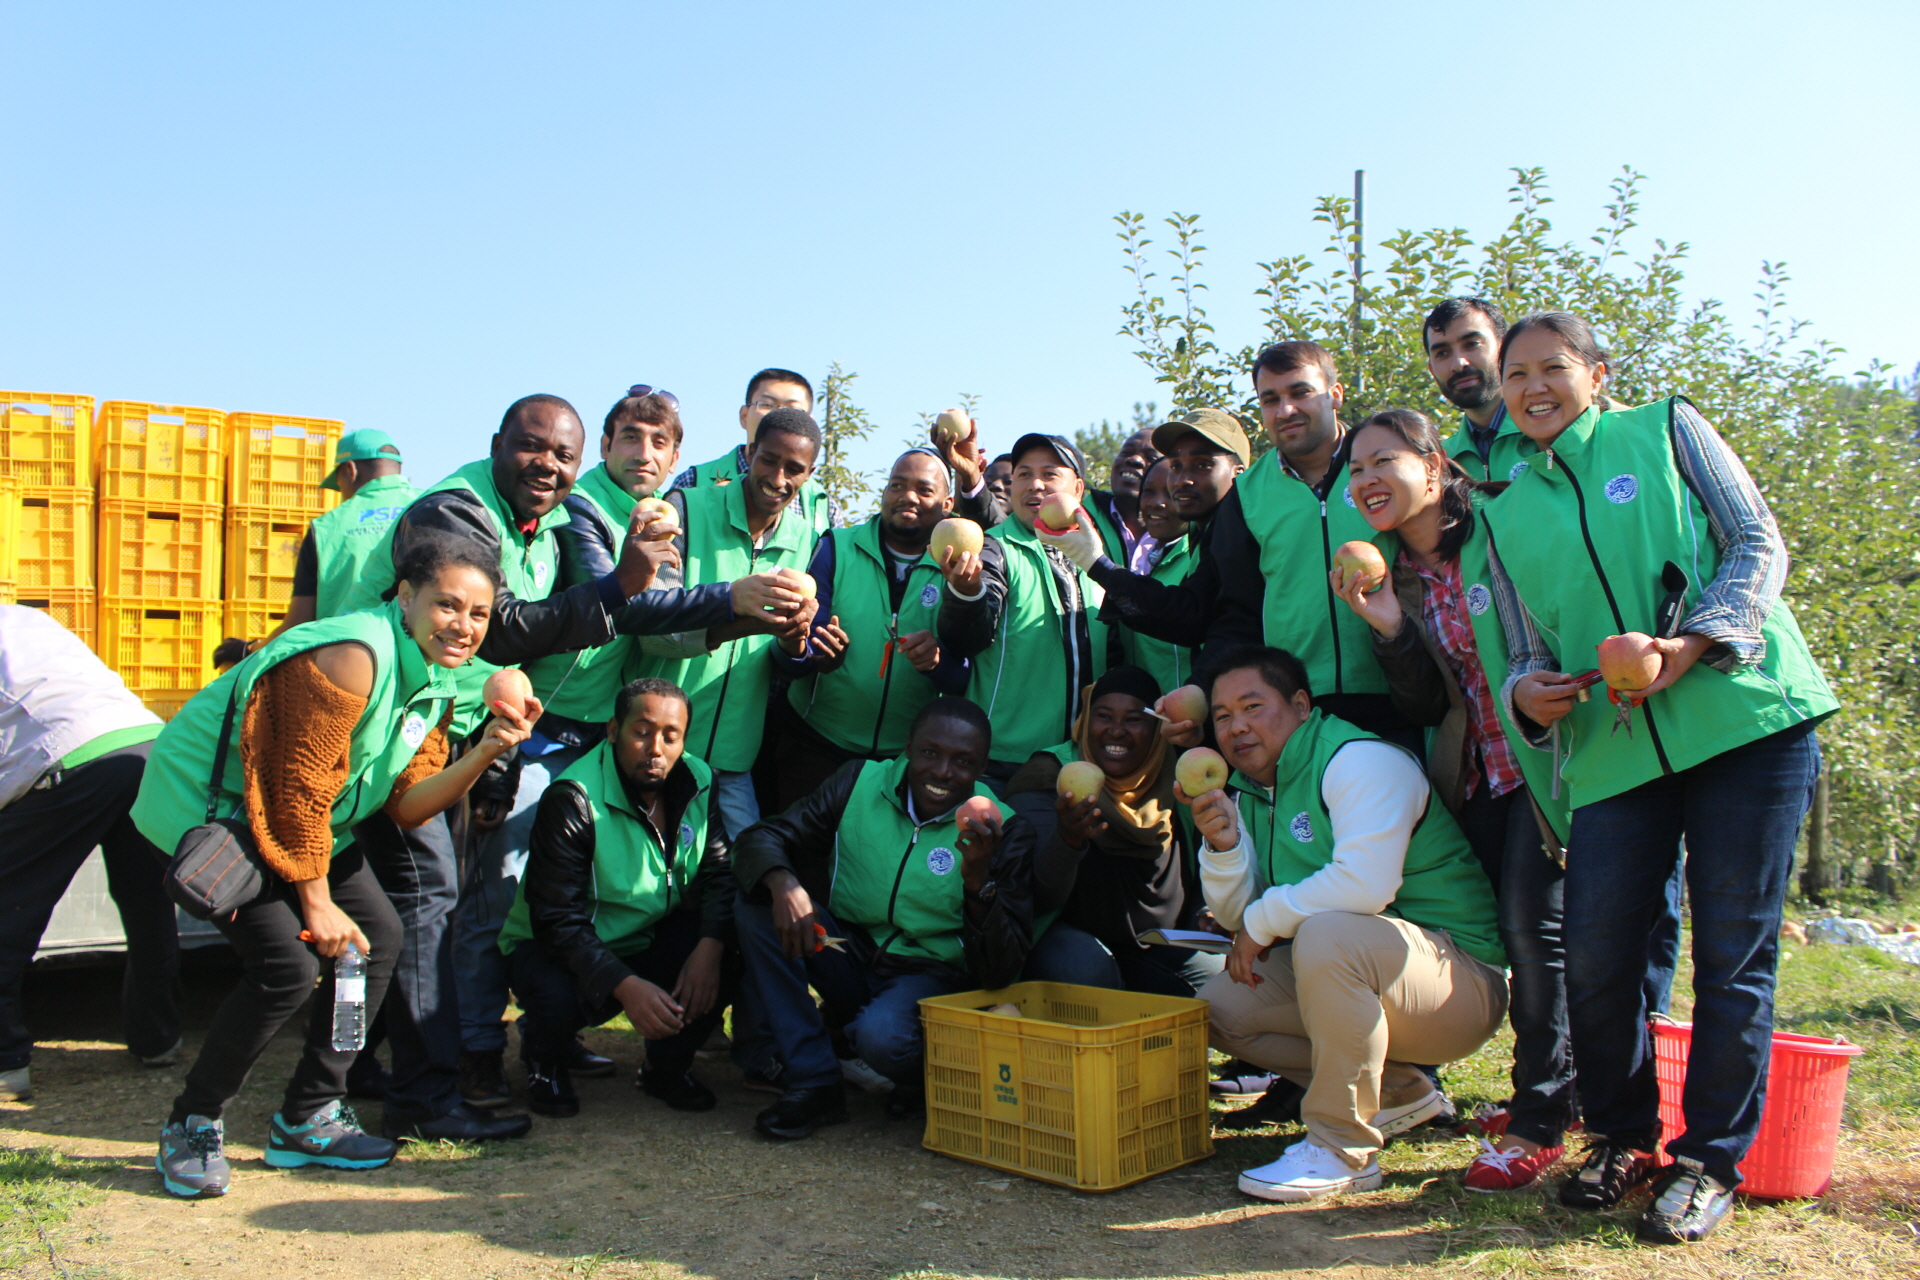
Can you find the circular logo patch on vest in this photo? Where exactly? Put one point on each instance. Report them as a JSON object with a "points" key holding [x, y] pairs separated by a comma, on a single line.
{"points": [[1622, 489], [413, 730], [1348, 495], [686, 835], [1518, 467], [940, 860], [1301, 828], [1478, 599], [929, 596], [539, 573]]}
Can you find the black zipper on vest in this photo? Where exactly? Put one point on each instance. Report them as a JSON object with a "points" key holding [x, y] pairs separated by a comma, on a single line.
{"points": [[886, 681], [1593, 555], [1333, 617], [893, 898], [726, 677]]}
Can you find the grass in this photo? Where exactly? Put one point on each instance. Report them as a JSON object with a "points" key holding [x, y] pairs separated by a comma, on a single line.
{"points": [[39, 1191]]}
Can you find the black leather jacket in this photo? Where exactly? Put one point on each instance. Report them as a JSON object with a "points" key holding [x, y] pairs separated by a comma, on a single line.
{"points": [[589, 548], [559, 882], [1176, 612], [997, 935]]}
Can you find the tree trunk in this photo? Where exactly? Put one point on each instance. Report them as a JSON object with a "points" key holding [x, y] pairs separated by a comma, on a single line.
{"points": [[1816, 878]]}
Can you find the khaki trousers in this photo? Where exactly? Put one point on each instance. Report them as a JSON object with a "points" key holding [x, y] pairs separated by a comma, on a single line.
{"points": [[1347, 1008]]}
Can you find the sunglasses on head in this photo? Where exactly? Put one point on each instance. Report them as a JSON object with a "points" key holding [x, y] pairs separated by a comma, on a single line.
{"points": [[642, 389]]}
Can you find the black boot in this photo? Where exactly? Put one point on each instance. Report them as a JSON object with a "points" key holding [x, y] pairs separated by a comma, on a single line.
{"points": [[678, 1089], [483, 1078], [550, 1089], [587, 1064], [1280, 1104], [800, 1112]]}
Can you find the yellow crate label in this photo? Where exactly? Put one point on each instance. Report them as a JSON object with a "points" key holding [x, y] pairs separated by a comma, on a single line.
{"points": [[1004, 1093]]}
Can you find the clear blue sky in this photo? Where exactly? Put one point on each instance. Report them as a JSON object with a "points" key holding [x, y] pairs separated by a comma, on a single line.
{"points": [[407, 216]]}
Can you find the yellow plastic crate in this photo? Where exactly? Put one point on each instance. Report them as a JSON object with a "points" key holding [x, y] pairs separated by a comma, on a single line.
{"points": [[263, 546], [163, 649], [53, 540], [159, 550], [252, 619], [9, 534], [279, 462], [1090, 1089], [46, 439], [71, 607], [162, 453]]}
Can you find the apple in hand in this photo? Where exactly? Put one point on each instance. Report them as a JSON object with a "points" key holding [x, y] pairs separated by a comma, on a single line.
{"points": [[667, 521], [509, 685], [1629, 662], [1188, 702], [801, 582], [1199, 771], [951, 427], [958, 532], [1080, 780], [1057, 516], [1362, 558], [977, 814]]}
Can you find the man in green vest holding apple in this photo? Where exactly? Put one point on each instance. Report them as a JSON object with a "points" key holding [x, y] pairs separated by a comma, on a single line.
{"points": [[626, 906], [1330, 841], [894, 881]]}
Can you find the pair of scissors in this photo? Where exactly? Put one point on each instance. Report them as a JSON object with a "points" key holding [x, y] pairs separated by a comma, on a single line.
{"points": [[822, 941]]}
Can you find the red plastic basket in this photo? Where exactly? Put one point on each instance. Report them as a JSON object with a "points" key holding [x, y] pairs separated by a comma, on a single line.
{"points": [[1792, 1157]]}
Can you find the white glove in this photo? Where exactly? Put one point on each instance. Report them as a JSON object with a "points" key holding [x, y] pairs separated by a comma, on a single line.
{"points": [[1082, 546]]}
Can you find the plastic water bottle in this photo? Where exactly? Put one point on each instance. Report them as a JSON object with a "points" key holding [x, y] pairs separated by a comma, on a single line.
{"points": [[350, 1000]]}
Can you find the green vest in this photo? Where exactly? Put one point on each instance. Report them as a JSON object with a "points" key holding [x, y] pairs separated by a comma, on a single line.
{"points": [[898, 880], [1442, 887], [530, 565], [1170, 664], [1584, 534], [1507, 442], [409, 697], [1022, 679], [728, 687], [1490, 639], [582, 685], [1112, 541], [1301, 613], [634, 885], [347, 537], [730, 468], [855, 707]]}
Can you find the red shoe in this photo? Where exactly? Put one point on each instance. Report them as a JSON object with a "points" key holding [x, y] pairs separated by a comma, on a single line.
{"points": [[1509, 1170]]}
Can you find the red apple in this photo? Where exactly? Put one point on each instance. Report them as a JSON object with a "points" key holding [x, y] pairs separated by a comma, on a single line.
{"points": [[1188, 702], [977, 813], [1057, 516], [1080, 780], [951, 427], [959, 533], [1629, 663], [509, 685], [1199, 771], [1364, 559]]}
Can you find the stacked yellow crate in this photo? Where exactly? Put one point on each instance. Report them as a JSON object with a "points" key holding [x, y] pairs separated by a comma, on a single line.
{"points": [[162, 477], [9, 530], [46, 448], [274, 468]]}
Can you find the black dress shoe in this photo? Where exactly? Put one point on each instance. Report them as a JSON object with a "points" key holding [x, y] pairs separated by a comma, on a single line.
{"points": [[1611, 1172], [1688, 1206], [588, 1065], [483, 1078], [678, 1090], [1280, 1104], [550, 1090], [465, 1123], [800, 1112]]}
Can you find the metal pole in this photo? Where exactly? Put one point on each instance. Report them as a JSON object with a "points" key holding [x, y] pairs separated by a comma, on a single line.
{"points": [[1359, 262]]}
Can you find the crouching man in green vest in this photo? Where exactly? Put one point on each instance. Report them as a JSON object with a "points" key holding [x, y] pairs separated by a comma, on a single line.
{"points": [[872, 891], [1365, 934], [625, 905]]}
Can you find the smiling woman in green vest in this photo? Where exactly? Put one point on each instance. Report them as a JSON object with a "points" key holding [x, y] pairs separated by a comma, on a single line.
{"points": [[1330, 840], [329, 724], [1644, 521]]}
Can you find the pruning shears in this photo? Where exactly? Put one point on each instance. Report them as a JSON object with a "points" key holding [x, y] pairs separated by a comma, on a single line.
{"points": [[822, 940]]}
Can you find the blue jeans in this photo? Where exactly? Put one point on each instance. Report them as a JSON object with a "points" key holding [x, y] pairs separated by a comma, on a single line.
{"points": [[1067, 953], [739, 806], [885, 1032], [493, 880], [421, 1016], [1740, 813]]}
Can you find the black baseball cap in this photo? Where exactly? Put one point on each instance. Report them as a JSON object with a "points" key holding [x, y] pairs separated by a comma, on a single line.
{"points": [[1063, 448]]}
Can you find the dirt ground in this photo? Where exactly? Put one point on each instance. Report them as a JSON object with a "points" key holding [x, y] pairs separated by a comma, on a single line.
{"points": [[629, 1188]]}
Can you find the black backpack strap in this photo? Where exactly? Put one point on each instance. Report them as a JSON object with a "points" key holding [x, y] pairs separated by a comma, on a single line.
{"points": [[220, 754]]}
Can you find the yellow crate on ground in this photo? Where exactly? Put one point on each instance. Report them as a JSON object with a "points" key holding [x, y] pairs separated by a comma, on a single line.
{"points": [[276, 461], [263, 546], [9, 535], [162, 453], [163, 649], [1088, 1088], [252, 619], [53, 539], [159, 550], [71, 607], [46, 439]]}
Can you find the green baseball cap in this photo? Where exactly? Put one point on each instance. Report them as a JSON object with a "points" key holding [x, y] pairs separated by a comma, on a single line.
{"points": [[363, 445], [1215, 425]]}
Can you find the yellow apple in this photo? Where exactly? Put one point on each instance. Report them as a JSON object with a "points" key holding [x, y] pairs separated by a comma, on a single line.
{"points": [[1364, 559], [1080, 780], [1199, 771], [952, 426], [959, 533]]}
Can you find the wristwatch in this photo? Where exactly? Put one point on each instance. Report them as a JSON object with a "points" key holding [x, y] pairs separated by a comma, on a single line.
{"points": [[986, 893]]}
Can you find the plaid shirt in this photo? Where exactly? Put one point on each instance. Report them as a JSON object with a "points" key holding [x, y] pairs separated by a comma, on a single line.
{"points": [[1444, 612]]}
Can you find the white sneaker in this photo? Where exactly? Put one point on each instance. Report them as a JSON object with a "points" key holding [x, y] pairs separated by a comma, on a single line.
{"points": [[857, 1073], [1400, 1119], [1308, 1171], [16, 1085]]}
